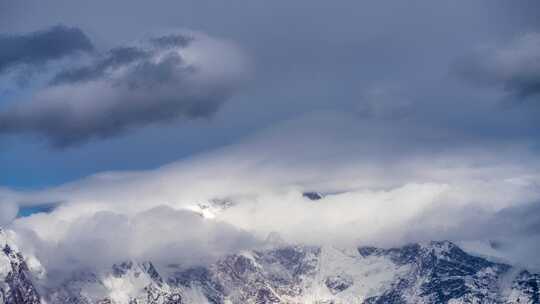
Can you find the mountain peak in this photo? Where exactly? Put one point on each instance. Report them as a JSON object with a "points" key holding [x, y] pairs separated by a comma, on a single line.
{"points": [[313, 196], [428, 272]]}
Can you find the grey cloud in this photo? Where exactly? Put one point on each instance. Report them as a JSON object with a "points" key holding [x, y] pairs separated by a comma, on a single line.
{"points": [[523, 219], [325, 62], [385, 102], [381, 198], [118, 57], [38, 48], [514, 67], [115, 58], [525, 14], [8, 212], [172, 40], [8, 206], [513, 231], [128, 87]]}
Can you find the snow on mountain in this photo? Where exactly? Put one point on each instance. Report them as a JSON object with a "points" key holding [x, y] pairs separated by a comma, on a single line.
{"points": [[434, 272], [211, 208], [16, 277]]}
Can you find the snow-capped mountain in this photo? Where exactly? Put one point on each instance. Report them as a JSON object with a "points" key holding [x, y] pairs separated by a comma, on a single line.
{"points": [[16, 275], [435, 272]]}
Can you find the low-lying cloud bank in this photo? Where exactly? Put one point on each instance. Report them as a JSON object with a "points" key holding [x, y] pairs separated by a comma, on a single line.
{"points": [[163, 235], [169, 76], [372, 196]]}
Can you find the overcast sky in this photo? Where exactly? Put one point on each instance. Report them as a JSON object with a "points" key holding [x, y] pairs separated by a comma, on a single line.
{"points": [[432, 106], [384, 58]]}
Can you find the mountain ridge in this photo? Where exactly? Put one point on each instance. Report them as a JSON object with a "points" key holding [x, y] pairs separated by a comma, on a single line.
{"points": [[431, 272]]}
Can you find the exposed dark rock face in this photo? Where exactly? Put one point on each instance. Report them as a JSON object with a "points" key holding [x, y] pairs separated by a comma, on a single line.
{"points": [[528, 286], [441, 272], [338, 283], [18, 287], [314, 196]]}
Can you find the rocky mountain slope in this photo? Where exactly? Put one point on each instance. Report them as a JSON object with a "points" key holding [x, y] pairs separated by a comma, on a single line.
{"points": [[435, 272], [16, 278]]}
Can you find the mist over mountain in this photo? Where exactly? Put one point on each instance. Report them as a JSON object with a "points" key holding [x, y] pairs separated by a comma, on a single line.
{"points": [[269, 152]]}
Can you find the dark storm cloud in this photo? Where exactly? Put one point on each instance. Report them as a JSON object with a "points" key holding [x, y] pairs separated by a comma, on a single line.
{"points": [[514, 67], [129, 86], [118, 57], [38, 48], [172, 40], [113, 59]]}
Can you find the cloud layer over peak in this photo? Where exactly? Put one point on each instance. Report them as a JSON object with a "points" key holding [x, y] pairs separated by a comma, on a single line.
{"points": [[380, 198]]}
